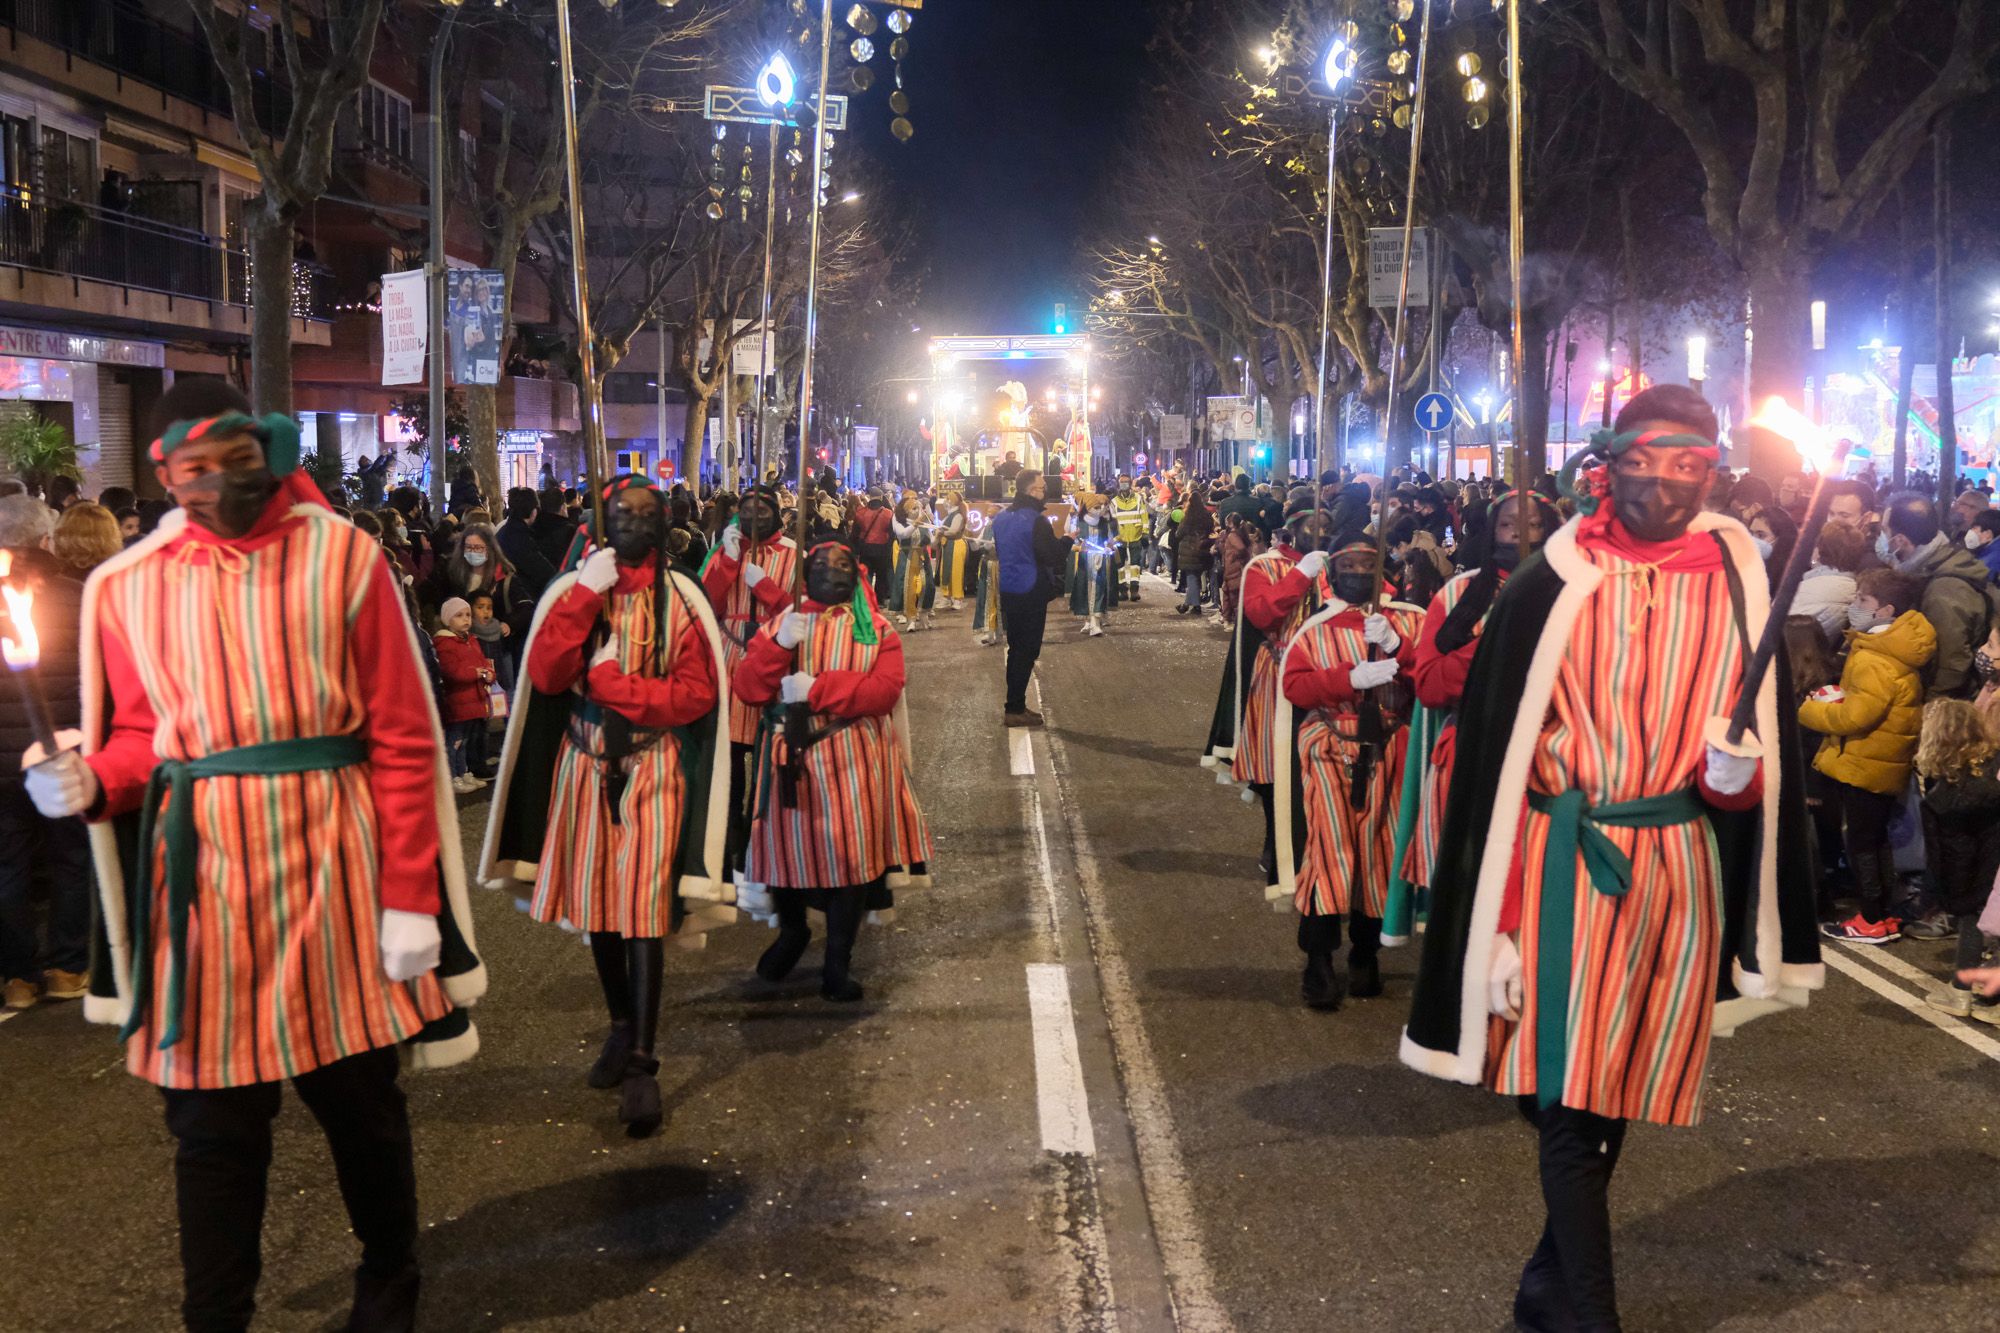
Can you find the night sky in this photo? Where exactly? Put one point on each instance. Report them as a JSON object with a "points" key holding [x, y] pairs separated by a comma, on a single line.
{"points": [[1018, 105]]}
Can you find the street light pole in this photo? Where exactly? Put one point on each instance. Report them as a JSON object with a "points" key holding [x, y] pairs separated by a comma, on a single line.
{"points": [[765, 334], [1320, 458], [439, 445], [594, 461], [812, 282]]}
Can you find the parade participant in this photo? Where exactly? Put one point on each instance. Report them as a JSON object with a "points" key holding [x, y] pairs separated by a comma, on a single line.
{"points": [[1281, 587], [1444, 656], [748, 579], [987, 623], [1339, 740], [913, 590], [1093, 565], [1129, 510], [611, 796], [952, 549], [1604, 850], [256, 726], [836, 825]]}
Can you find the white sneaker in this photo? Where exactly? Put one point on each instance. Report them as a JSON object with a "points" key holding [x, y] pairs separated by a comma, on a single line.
{"points": [[988, 640], [1094, 630], [473, 782], [458, 783]]}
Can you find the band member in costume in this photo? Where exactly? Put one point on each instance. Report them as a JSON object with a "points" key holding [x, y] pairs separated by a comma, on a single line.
{"points": [[1281, 587], [836, 825], [611, 791], [748, 579], [1444, 656], [1093, 565], [1340, 736], [276, 845], [913, 589], [952, 549], [1609, 866]]}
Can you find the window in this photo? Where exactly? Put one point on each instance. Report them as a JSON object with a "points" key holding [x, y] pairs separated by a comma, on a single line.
{"points": [[69, 166], [385, 121]]}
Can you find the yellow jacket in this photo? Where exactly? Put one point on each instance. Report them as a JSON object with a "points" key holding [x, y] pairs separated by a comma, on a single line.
{"points": [[1871, 735]]}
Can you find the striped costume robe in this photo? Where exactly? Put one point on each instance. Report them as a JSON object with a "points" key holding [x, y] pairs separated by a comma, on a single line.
{"points": [[743, 609], [290, 639], [856, 819], [1277, 599], [1439, 680], [629, 845], [1334, 843], [1578, 818]]}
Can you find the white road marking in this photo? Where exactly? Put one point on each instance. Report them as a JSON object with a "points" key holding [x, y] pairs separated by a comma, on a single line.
{"points": [[1963, 1029], [1880, 954], [1021, 752], [1059, 1096], [6, 1014]]}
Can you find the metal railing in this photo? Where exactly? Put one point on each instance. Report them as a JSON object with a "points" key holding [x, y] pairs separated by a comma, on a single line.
{"points": [[140, 47], [77, 240]]}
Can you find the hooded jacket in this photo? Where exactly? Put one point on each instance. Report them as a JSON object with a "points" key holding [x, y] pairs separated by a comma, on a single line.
{"points": [[1955, 603], [1871, 734]]}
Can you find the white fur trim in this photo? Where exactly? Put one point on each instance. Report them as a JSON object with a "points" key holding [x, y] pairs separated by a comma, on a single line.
{"points": [[1438, 1064], [105, 1009], [466, 988], [420, 1055]]}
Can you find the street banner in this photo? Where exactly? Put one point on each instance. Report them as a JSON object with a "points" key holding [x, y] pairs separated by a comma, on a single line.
{"points": [[1232, 417], [405, 326], [864, 441], [1173, 431], [473, 322], [1385, 266], [753, 356]]}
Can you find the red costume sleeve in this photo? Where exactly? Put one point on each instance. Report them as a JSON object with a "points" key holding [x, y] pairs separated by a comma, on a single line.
{"points": [[557, 659], [684, 694], [1510, 899], [721, 572], [1310, 686], [126, 760], [1439, 678], [870, 693], [764, 664], [1267, 600], [402, 745]]}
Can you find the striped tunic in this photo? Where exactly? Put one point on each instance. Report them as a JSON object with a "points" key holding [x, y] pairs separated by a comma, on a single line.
{"points": [[601, 874], [1253, 761], [857, 816], [1421, 857], [1653, 656], [1348, 843], [242, 644], [740, 613]]}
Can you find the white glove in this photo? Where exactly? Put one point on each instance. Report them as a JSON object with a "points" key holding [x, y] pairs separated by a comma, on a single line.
{"points": [[1377, 630], [1367, 675], [607, 655], [791, 630], [1730, 768], [796, 688], [1312, 564], [600, 570], [753, 574], [732, 542], [62, 786], [410, 944], [1503, 979]]}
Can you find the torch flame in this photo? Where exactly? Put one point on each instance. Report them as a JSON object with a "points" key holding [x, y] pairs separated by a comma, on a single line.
{"points": [[22, 649], [1815, 446]]}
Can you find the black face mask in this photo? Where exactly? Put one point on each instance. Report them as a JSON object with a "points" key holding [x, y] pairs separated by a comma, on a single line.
{"points": [[830, 586], [228, 503], [633, 537], [1354, 589], [1654, 509], [758, 521]]}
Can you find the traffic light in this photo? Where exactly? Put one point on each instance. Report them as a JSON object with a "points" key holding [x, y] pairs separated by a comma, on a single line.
{"points": [[1062, 318]]}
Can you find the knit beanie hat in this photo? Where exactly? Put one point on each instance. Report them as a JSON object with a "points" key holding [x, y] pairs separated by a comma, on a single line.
{"points": [[452, 606]]}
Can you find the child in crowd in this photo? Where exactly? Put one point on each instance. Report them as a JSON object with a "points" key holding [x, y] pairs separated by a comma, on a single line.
{"points": [[492, 634], [467, 673], [1956, 762], [1871, 722]]}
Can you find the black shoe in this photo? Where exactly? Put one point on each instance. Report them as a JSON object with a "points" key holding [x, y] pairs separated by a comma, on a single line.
{"points": [[840, 990], [1541, 1306], [1364, 977], [1182, 609], [1320, 987], [639, 1096], [783, 955], [384, 1304], [611, 1061], [1134, 590]]}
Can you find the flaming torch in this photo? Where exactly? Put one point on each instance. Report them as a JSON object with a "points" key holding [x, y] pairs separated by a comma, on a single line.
{"points": [[1782, 419], [23, 651]]}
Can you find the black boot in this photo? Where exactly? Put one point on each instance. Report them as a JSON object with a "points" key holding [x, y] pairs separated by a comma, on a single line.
{"points": [[384, 1303], [607, 951], [1364, 972], [639, 1085], [843, 923], [793, 937], [639, 1107], [1321, 986]]}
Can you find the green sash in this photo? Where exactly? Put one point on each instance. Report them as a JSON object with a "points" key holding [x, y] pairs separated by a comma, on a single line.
{"points": [[173, 783], [1577, 826]]}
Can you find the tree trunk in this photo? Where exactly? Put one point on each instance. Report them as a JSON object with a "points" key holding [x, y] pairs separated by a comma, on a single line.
{"points": [[1282, 399], [271, 242], [694, 427], [482, 415], [1780, 343], [1531, 424]]}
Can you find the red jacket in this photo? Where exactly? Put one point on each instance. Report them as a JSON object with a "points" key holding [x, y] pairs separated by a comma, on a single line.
{"points": [[466, 672], [874, 525]]}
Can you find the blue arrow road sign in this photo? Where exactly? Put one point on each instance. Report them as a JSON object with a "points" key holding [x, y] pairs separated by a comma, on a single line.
{"points": [[1433, 412]]}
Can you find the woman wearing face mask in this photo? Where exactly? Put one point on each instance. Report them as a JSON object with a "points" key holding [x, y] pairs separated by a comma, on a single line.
{"points": [[475, 568], [837, 826], [1093, 562], [1775, 534]]}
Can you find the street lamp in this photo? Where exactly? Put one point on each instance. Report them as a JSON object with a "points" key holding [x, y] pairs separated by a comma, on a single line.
{"points": [[1697, 361], [1339, 62]]}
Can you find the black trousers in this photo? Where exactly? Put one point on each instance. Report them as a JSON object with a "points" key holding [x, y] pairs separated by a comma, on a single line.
{"points": [[880, 562], [57, 852], [1026, 616], [223, 1163], [741, 800], [1864, 830], [1268, 858], [1569, 1281]]}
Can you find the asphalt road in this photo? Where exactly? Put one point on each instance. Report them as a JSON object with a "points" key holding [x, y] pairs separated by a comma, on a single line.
{"points": [[1080, 1095]]}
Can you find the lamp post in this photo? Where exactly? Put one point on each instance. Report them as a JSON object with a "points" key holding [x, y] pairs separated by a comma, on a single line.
{"points": [[1819, 362], [1697, 361], [776, 86], [812, 285], [1338, 64]]}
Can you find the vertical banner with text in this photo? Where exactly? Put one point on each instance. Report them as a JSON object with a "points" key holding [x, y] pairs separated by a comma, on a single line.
{"points": [[472, 322], [405, 326]]}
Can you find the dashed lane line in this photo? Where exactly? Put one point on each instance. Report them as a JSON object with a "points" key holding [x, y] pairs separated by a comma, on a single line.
{"points": [[1021, 752], [1059, 1095], [1842, 961]]}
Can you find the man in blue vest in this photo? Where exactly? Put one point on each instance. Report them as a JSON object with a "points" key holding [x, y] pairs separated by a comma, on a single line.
{"points": [[1029, 556]]}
